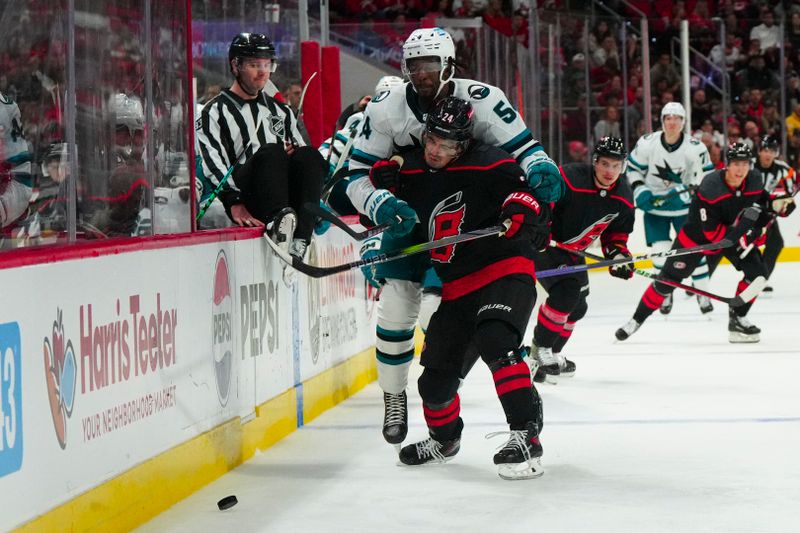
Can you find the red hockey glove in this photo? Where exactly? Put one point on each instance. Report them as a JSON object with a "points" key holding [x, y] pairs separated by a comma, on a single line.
{"points": [[385, 174], [530, 220]]}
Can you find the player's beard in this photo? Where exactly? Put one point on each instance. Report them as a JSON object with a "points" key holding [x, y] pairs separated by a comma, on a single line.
{"points": [[251, 89]]}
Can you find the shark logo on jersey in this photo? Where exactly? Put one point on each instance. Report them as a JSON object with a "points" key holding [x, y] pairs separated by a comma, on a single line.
{"points": [[276, 126], [667, 174], [478, 92], [591, 233]]}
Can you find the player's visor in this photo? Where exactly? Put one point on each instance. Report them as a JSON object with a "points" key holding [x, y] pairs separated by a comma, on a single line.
{"points": [[422, 65], [447, 147]]}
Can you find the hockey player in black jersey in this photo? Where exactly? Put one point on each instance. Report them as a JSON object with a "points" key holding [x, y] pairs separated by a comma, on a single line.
{"points": [[457, 184], [780, 180], [715, 210], [597, 204]]}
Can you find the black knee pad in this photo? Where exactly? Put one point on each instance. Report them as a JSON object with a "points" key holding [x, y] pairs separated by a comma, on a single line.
{"points": [[537, 404], [494, 337], [500, 360], [437, 387], [565, 295], [580, 310]]}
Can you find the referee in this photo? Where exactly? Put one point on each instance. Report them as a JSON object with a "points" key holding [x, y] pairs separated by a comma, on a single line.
{"points": [[258, 135]]}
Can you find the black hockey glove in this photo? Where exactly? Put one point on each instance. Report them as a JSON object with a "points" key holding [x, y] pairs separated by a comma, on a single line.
{"points": [[623, 271], [782, 206], [385, 174], [529, 219]]}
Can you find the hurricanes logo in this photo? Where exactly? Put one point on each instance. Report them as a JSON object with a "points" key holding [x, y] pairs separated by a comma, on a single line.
{"points": [[60, 368], [590, 234], [478, 92], [446, 223]]}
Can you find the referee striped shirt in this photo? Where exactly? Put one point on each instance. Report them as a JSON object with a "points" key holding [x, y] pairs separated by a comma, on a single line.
{"points": [[229, 126]]}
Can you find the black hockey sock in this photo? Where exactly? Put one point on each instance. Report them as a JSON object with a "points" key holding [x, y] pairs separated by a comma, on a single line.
{"points": [[566, 333], [444, 422], [549, 326], [651, 300], [513, 385]]}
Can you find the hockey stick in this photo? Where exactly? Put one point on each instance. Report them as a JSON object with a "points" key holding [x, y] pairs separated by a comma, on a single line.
{"points": [[658, 202], [385, 257], [303, 95], [749, 215], [221, 184], [735, 301], [571, 269], [324, 214]]}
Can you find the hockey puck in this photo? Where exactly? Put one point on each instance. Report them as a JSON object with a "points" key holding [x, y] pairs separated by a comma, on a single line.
{"points": [[227, 502]]}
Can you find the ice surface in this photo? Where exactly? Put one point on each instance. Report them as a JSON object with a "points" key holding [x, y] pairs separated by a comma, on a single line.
{"points": [[673, 430]]}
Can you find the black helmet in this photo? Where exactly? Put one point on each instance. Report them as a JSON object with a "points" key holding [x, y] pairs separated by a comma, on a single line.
{"points": [[739, 151], [451, 118], [255, 45], [769, 142], [611, 147]]}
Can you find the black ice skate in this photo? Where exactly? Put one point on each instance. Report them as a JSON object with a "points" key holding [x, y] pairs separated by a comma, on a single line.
{"points": [[627, 330], [567, 367], [429, 451], [704, 302], [281, 228], [395, 417], [740, 330], [666, 305], [519, 458], [548, 368]]}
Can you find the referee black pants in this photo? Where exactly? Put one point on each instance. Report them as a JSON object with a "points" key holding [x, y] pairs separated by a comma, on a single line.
{"points": [[271, 179]]}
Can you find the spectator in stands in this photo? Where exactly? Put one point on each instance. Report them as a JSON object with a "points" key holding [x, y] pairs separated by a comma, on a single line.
{"points": [[755, 75], [793, 150], [600, 31], [793, 120], [734, 133], [293, 95], [612, 90], [577, 152], [574, 80], [368, 37], [701, 109], [609, 125], [607, 49], [771, 119], [793, 31], [792, 91], [755, 107], [767, 33], [575, 124], [666, 71], [707, 129], [727, 56], [715, 155], [751, 134]]}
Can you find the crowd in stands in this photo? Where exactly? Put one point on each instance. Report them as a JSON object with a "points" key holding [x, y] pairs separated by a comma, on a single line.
{"points": [[750, 57]]}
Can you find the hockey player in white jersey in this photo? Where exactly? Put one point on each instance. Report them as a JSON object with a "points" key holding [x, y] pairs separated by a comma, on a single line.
{"points": [[394, 122], [664, 168], [336, 151], [16, 182]]}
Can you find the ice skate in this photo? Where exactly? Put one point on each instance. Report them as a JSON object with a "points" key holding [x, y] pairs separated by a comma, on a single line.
{"points": [[740, 330], [395, 418], [666, 305], [548, 366], [281, 228], [429, 451], [519, 458], [567, 367], [627, 330], [704, 302]]}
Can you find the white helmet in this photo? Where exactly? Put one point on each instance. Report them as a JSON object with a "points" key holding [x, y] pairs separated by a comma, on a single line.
{"points": [[673, 108], [127, 111], [386, 83], [431, 42]]}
